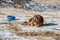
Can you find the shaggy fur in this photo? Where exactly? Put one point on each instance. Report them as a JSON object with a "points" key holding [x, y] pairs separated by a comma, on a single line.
{"points": [[36, 20]]}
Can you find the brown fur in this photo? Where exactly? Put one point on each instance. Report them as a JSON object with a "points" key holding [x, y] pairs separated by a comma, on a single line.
{"points": [[33, 21]]}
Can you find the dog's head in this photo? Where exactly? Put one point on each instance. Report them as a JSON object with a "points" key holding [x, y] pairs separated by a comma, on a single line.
{"points": [[37, 20]]}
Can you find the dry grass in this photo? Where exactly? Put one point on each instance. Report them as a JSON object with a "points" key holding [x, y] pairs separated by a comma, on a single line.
{"points": [[44, 34], [40, 33], [14, 25], [20, 32]]}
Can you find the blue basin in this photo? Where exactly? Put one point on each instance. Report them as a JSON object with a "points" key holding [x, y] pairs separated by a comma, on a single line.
{"points": [[9, 17]]}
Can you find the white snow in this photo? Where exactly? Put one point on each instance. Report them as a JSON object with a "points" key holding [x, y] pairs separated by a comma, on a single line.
{"points": [[54, 24]]}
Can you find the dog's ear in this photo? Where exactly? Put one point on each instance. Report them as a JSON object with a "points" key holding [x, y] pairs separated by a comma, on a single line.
{"points": [[30, 19], [36, 16], [40, 18]]}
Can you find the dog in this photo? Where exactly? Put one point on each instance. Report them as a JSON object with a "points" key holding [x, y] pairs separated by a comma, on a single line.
{"points": [[36, 20]]}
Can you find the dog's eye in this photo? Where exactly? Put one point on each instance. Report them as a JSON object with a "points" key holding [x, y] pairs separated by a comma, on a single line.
{"points": [[34, 20]]}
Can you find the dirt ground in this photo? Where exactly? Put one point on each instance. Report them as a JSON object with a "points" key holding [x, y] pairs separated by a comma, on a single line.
{"points": [[49, 31]]}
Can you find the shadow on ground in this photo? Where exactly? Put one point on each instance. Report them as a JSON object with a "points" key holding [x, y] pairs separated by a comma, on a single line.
{"points": [[50, 24]]}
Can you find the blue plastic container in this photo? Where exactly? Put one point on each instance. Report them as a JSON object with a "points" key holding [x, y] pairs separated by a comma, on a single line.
{"points": [[10, 18]]}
